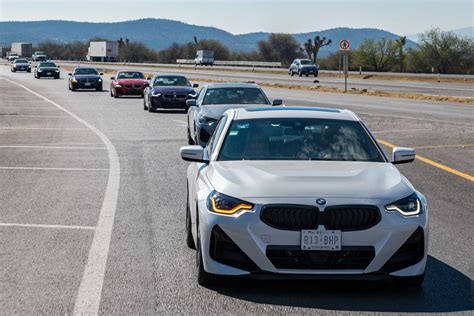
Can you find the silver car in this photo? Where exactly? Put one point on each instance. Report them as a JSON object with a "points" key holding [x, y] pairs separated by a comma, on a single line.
{"points": [[288, 192], [215, 99]]}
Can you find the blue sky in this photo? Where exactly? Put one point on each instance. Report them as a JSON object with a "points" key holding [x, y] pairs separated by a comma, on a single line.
{"points": [[292, 16]]}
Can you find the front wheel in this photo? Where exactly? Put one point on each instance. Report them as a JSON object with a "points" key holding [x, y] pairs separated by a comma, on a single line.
{"points": [[98, 89], [190, 139], [144, 105], [300, 73], [204, 278], [189, 234]]}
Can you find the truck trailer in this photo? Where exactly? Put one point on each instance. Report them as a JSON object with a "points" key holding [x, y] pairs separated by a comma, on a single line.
{"points": [[22, 49], [102, 51]]}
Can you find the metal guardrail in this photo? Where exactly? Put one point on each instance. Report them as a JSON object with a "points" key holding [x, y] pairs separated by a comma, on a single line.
{"points": [[234, 63]]}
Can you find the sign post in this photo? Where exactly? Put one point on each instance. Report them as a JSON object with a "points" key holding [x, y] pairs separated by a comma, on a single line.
{"points": [[344, 47]]}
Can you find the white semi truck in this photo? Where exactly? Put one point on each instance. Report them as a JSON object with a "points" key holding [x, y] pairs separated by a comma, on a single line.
{"points": [[102, 51], [22, 49]]}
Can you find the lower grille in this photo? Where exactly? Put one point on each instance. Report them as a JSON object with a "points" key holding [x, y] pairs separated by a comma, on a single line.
{"points": [[292, 257], [343, 217]]}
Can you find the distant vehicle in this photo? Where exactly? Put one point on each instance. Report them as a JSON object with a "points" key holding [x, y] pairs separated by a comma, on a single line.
{"points": [[168, 92], [303, 67], [46, 69], [204, 57], [127, 83], [20, 64], [22, 49], [4, 51], [12, 56], [215, 99], [103, 51], [302, 193], [39, 56], [85, 78]]}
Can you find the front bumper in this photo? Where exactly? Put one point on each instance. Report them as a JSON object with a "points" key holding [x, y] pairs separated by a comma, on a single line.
{"points": [[86, 85], [168, 103], [48, 73], [309, 70], [22, 68], [388, 239], [129, 90]]}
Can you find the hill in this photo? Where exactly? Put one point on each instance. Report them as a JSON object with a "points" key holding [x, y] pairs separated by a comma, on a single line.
{"points": [[161, 33]]}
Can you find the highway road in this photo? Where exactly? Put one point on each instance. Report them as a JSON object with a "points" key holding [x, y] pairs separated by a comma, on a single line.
{"points": [[92, 204], [430, 88]]}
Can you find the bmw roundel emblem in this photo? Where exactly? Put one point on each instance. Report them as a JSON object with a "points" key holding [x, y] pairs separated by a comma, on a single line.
{"points": [[320, 201]]}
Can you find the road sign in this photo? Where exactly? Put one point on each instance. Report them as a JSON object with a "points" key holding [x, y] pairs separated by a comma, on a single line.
{"points": [[344, 45]]}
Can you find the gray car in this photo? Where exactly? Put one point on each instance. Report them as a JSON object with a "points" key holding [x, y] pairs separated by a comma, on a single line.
{"points": [[20, 64], [215, 99], [303, 67]]}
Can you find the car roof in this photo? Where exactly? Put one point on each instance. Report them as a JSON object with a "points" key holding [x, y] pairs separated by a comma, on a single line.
{"points": [[83, 67], [129, 70], [170, 75], [231, 85], [295, 112]]}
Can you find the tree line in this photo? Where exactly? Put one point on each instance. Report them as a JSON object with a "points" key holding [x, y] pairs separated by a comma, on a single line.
{"points": [[437, 51]]}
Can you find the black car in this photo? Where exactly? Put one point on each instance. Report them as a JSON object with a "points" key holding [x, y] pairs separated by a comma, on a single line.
{"points": [[46, 69], [20, 64], [85, 78], [168, 92]]}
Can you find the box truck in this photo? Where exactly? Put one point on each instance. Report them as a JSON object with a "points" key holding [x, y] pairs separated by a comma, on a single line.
{"points": [[22, 49], [102, 51], [204, 57]]}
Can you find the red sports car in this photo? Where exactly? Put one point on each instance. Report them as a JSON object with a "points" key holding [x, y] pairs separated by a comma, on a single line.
{"points": [[127, 83]]}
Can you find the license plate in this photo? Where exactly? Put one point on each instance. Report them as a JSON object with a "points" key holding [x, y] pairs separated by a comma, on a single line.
{"points": [[321, 240], [87, 84], [48, 73]]}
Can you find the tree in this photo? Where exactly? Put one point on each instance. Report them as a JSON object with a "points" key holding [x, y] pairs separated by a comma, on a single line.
{"points": [[312, 48], [377, 55], [279, 47], [401, 42], [447, 52]]}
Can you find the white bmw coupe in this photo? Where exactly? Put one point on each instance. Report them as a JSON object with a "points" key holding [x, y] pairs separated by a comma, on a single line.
{"points": [[302, 192]]}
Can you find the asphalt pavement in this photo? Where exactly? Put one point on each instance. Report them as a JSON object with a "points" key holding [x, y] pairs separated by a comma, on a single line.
{"points": [[63, 241]]}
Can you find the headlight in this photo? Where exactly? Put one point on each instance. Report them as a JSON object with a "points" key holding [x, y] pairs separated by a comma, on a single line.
{"points": [[118, 86], [207, 120], [14, 66], [224, 204], [57, 70], [155, 94], [40, 70], [409, 206], [100, 80], [74, 80]]}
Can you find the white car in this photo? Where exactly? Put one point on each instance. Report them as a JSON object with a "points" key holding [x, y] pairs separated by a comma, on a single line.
{"points": [[288, 192]]}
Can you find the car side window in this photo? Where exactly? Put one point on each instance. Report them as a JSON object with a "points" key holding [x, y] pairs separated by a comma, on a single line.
{"points": [[215, 136], [200, 96]]}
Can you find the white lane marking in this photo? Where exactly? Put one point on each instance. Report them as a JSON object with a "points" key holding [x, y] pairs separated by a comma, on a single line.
{"points": [[26, 107], [51, 147], [90, 291], [46, 226], [59, 144], [180, 121], [44, 128], [53, 169], [26, 115]]}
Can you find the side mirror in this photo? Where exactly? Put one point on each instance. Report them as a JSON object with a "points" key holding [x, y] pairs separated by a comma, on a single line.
{"points": [[193, 153], [36, 66], [195, 85], [59, 66], [101, 74], [277, 102], [112, 78], [148, 78], [403, 155], [191, 102], [69, 74]]}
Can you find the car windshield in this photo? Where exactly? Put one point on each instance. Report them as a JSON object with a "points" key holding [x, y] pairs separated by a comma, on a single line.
{"points": [[235, 96], [306, 62], [47, 65], [130, 75], [85, 71], [39, 53], [298, 139], [21, 61], [171, 81]]}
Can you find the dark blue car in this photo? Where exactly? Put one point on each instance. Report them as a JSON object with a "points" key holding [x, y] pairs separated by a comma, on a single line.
{"points": [[168, 92], [85, 78]]}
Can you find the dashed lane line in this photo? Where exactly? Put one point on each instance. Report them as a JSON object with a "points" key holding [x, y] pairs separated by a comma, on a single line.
{"points": [[46, 226], [434, 163], [53, 169], [53, 147], [90, 290]]}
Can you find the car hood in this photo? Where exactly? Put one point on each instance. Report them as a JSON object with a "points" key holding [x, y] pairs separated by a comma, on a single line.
{"points": [[178, 89], [131, 81], [86, 76], [216, 110], [22, 64], [47, 68], [308, 179]]}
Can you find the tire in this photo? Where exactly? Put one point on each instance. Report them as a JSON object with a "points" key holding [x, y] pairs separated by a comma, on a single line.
{"points": [[144, 105], [204, 278], [189, 234], [190, 139], [307, 74], [415, 281], [315, 74], [300, 73], [98, 89], [56, 77], [116, 96], [150, 110]]}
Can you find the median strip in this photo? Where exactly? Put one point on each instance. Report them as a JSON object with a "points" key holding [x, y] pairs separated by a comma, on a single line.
{"points": [[434, 163]]}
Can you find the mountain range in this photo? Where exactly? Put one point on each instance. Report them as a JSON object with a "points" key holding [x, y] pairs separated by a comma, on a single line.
{"points": [[161, 33]]}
